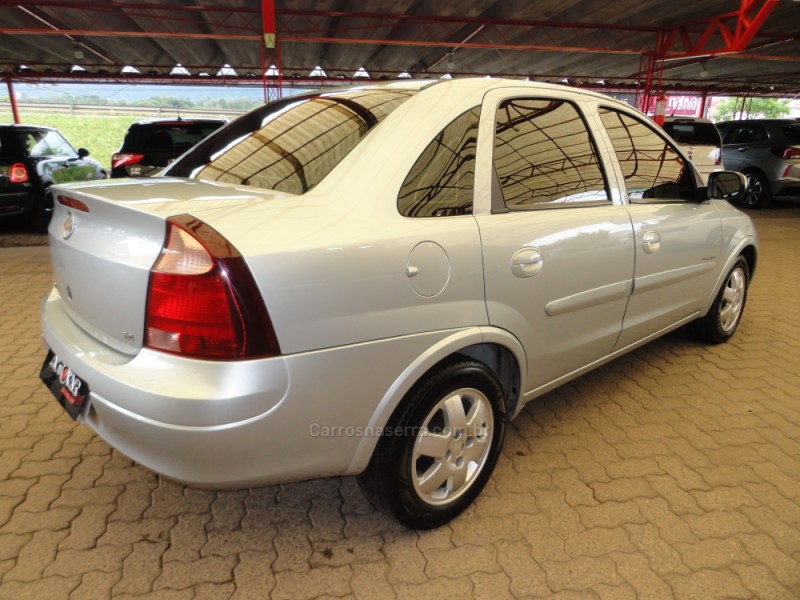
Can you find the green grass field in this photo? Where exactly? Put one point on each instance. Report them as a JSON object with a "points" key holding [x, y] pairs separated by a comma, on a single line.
{"points": [[101, 135]]}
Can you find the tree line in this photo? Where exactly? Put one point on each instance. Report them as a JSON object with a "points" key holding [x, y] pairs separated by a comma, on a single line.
{"points": [[162, 101]]}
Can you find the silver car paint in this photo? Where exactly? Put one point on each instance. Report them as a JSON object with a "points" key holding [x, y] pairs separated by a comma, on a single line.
{"points": [[333, 268]]}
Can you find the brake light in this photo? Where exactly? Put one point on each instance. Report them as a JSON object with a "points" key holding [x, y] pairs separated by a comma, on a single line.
{"points": [[787, 153], [202, 300], [120, 159], [717, 155], [18, 173]]}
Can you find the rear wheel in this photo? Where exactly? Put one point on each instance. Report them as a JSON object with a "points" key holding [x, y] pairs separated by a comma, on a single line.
{"points": [[722, 320], [757, 194], [440, 447]]}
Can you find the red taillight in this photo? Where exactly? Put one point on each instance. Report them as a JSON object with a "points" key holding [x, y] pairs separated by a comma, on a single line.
{"points": [[73, 203], [787, 153], [18, 173], [121, 159], [203, 301]]}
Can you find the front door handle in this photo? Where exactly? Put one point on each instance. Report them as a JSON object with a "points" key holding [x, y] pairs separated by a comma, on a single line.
{"points": [[651, 242], [526, 262]]}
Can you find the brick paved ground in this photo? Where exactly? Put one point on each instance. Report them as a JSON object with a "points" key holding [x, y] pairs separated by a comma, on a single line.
{"points": [[670, 473]]}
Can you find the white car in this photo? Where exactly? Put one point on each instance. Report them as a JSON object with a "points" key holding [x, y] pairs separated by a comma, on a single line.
{"points": [[373, 280], [700, 140]]}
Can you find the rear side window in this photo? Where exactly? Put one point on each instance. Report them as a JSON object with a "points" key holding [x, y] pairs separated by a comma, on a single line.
{"points": [[792, 132], [441, 182], [544, 156], [652, 168], [693, 133], [291, 145]]}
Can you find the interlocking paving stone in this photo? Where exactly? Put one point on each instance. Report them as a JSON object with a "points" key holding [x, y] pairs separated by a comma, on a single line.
{"points": [[672, 472]]}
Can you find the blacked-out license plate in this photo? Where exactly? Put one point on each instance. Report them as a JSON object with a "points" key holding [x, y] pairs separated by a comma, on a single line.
{"points": [[70, 390]]}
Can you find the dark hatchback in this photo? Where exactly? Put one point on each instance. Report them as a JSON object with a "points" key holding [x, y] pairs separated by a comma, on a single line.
{"points": [[31, 159], [151, 145]]}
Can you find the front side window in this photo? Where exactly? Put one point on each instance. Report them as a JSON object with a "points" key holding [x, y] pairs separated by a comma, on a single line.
{"points": [[652, 168], [544, 156], [46, 143], [292, 145], [441, 182]]}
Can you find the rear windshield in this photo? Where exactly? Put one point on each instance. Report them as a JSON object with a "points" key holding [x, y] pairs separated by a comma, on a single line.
{"points": [[166, 137], [691, 132], [292, 144], [792, 132]]}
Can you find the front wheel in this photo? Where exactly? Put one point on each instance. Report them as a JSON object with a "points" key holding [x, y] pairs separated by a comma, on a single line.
{"points": [[722, 320], [757, 194], [440, 447]]}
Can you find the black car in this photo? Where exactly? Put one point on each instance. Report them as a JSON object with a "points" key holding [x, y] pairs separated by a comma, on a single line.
{"points": [[31, 159], [153, 144]]}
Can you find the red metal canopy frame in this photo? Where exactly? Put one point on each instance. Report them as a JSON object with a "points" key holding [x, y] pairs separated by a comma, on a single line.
{"points": [[725, 35]]}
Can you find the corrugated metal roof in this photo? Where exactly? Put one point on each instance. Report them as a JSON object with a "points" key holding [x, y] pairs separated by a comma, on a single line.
{"points": [[583, 41]]}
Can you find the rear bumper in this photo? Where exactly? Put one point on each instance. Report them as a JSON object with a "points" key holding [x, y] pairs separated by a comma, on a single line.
{"points": [[789, 182], [233, 424], [16, 203]]}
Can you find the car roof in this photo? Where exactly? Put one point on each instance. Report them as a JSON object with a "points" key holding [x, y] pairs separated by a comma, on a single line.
{"points": [[785, 121], [179, 119], [22, 127]]}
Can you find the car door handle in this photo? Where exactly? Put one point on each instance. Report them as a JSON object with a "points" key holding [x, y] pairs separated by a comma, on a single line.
{"points": [[526, 262], [741, 149], [651, 242]]}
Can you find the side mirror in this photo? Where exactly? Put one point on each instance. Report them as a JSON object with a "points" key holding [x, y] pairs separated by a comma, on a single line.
{"points": [[83, 152], [726, 185]]}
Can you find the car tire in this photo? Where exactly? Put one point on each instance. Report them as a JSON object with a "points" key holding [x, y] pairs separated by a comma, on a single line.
{"points": [[42, 212], [440, 447], [758, 193], [723, 318]]}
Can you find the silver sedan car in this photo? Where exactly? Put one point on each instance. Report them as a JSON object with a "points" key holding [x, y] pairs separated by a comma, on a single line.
{"points": [[374, 280]]}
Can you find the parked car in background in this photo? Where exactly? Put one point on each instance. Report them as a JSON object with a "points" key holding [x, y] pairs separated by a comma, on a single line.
{"points": [[767, 151], [373, 280], [152, 144], [700, 140], [33, 158]]}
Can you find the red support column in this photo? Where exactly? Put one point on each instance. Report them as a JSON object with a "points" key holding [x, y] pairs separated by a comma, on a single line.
{"points": [[270, 43], [12, 99]]}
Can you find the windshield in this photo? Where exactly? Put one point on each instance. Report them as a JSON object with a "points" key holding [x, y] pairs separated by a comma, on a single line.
{"points": [[165, 137], [292, 144]]}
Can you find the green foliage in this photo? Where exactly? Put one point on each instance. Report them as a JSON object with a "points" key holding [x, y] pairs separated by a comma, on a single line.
{"points": [[64, 98], [769, 108], [165, 101], [162, 101]]}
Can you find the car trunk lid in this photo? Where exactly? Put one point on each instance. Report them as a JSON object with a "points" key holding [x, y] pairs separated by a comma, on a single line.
{"points": [[104, 239]]}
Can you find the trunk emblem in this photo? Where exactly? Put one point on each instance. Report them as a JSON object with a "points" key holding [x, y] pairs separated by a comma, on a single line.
{"points": [[69, 226]]}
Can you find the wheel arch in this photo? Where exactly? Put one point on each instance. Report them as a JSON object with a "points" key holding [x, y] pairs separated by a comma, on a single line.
{"points": [[747, 250], [496, 348]]}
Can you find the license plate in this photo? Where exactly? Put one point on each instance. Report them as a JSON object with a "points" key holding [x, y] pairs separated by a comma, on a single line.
{"points": [[70, 390]]}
